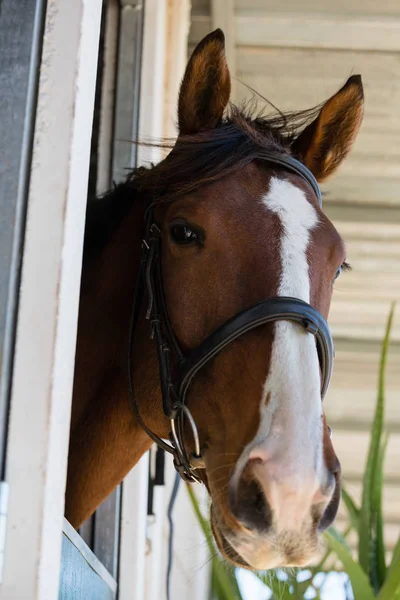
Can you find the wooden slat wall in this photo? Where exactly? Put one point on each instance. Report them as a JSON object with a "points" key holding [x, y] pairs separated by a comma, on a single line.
{"points": [[297, 53]]}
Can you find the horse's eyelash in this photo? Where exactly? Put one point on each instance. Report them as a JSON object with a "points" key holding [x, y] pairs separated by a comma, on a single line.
{"points": [[346, 266]]}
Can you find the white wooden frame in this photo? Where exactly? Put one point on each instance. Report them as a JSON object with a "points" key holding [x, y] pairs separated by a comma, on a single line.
{"points": [[47, 319]]}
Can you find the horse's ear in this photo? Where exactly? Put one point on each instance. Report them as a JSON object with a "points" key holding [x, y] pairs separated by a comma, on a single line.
{"points": [[206, 86], [326, 141]]}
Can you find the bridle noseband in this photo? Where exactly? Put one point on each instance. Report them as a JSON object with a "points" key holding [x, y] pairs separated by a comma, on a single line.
{"points": [[175, 383]]}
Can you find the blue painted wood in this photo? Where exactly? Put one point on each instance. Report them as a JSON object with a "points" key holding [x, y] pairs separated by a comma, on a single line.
{"points": [[83, 577]]}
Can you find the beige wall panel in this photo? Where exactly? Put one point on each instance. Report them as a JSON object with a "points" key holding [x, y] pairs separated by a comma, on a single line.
{"points": [[352, 446], [391, 537], [364, 7], [391, 499], [325, 30], [383, 191], [352, 395], [201, 7], [293, 62], [363, 319]]}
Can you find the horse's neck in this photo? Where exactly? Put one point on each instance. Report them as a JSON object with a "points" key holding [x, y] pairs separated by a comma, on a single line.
{"points": [[106, 440], [107, 288]]}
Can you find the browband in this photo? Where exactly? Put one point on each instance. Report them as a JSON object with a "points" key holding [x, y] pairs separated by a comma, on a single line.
{"points": [[295, 166]]}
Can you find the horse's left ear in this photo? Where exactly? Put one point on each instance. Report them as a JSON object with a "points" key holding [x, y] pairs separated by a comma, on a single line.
{"points": [[326, 141], [206, 86]]}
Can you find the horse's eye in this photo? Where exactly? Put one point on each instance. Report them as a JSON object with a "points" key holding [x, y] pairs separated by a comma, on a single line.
{"points": [[183, 235], [338, 272], [343, 267]]}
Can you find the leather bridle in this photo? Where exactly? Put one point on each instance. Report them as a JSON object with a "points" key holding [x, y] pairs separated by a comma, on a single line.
{"points": [[178, 370]]}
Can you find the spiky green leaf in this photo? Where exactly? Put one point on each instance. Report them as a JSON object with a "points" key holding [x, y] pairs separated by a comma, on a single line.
{"points": [[379, 568], [223, 579], [352, 510], [391, 575], [366, 526], [321, 566], [395, 564], [391, 588], [358, 578]]}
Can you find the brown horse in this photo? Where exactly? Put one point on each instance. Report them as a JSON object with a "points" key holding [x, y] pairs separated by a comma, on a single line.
{"points": [[235, 230]]}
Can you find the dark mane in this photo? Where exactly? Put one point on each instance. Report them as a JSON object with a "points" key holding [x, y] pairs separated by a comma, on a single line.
{"points": [[193, 162], [103, 217]]}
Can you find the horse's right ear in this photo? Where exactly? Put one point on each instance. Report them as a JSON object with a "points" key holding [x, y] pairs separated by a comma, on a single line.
{"points": [[206, 86], [325, 142]]}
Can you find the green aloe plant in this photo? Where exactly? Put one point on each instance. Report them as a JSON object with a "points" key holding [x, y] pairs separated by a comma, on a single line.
{"points": [[369, 574], [223, 581]]}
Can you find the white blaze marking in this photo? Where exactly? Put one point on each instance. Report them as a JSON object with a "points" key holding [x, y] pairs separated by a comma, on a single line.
{"points": [[298, 217], [294, 409], [290, 437], [293, 382]]}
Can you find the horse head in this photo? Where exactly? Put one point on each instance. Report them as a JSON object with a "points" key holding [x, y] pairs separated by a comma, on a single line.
{"points": [[237, 230]]}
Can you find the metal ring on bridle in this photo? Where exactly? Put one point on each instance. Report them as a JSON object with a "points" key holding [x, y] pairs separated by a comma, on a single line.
{"points": [[197, 451]]}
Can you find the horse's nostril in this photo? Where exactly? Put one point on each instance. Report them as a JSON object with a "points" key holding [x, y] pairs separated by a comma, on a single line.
{"points": [[249, 505], [330, 512], [259, 503]]}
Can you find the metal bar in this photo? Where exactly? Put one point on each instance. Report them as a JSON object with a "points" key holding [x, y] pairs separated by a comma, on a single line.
{"points": [[86, 531], [127, 91], [106, 531], [108, 89], [21, 30]]}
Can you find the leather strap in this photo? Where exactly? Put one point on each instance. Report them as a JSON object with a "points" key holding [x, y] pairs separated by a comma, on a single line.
{"points": [[269, 311], [295, 166]]}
